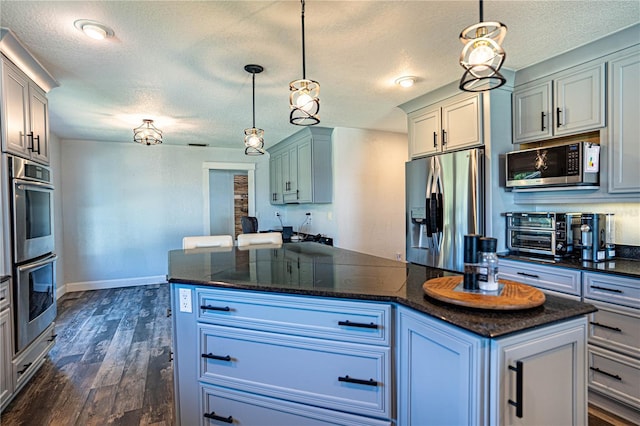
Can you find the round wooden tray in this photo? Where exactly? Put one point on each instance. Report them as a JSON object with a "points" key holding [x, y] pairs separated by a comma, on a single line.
{"points": [[513, 295]]}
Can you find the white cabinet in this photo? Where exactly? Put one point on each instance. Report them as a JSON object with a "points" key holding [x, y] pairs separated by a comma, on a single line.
{"points": [[25, 120], [450, 377], [439, 372], [448, 125], [6, 347], [566, 103], [538, 377], [624, 125], [614, 343], [291, 357], [301, 168], [551, 279]]}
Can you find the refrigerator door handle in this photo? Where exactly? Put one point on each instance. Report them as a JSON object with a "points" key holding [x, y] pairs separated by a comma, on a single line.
{"points": [[437, 206]]}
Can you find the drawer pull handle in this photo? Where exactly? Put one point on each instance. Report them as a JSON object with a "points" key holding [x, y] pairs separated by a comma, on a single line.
{"points": [[52, 338], [2, 299], [348, 379], [26, 367], [215, 308], [218, 357], [524, 274], [613, 376], [612, 290], [608, 327], [518, 403], [357, 324], [213, 416]]}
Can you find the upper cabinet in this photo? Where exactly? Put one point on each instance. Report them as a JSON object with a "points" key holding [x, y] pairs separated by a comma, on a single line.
{"points": [[624, 125], [25, 110], [300, 168], [565, 103], [452, 124]]}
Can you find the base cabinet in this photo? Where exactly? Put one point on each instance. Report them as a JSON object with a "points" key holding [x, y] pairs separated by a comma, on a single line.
{"points": [[6, 376], [531, 378]]}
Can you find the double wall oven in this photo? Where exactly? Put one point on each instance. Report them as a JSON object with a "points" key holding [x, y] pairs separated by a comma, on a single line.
{"points": [[32, 241]]}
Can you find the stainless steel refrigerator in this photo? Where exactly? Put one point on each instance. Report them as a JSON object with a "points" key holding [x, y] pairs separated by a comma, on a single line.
{"points": [[445, 201]]}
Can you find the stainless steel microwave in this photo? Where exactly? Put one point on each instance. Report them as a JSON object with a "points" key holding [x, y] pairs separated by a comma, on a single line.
{"points": [[569, 164]]}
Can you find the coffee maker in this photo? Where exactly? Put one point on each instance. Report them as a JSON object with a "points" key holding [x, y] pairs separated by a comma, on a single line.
{"points": [[593, 237]]}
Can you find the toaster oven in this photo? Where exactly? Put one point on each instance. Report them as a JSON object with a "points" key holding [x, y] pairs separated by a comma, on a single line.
{"points": [[542, 233]]}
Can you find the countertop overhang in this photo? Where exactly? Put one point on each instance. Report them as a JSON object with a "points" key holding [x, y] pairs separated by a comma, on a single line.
{"points": [[312, 269]]}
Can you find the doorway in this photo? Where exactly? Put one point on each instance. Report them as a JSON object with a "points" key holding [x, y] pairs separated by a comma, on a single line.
{"points": [[229, 194]]}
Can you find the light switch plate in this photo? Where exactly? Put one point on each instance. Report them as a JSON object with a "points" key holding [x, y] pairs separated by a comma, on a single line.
{"points": [[185, 300]]}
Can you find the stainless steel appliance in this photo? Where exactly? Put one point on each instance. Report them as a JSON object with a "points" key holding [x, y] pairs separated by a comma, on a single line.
{"points": [[542, 233], [35, 289], [445, 201], [569, 164], [593, 237], [32, 246], [32, 209]]}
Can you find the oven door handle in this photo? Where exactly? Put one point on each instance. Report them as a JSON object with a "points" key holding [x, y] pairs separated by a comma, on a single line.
{"points": [[21, 183], [37, 264]]}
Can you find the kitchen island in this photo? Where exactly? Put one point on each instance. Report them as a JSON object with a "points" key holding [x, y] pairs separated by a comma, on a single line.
{"points": [[312, 334]]}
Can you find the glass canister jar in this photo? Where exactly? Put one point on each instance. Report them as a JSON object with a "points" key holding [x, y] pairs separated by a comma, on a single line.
{"points": [[488, 264]]}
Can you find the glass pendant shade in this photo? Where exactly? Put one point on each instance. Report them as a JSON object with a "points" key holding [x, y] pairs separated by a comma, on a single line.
{"points": [[305, 102], [147, 133], [482, 55], [253, 141]]}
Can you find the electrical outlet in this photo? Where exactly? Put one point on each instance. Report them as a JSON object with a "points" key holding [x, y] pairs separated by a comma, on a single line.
{"points": [[399, 256], [185, 300], [308, 218], [277, 214]]}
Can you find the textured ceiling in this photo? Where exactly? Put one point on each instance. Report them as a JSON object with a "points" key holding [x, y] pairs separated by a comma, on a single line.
{"points": [[182, 63]]}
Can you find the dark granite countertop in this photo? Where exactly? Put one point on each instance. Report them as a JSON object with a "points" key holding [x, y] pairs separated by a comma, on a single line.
{"points": [[625, 267], [314, 269]]}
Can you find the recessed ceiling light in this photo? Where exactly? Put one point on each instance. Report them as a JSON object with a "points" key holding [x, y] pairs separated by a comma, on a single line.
{"points": [[93, 29], [407, 81]]}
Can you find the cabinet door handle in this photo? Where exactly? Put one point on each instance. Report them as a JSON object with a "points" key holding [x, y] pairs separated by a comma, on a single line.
{"points": [[518, 403], [52, 338], [524, 274], [608, 327], [37, 138], [612, 290], [213, 416], [26, 367], [558, 113], [444, 137], [32, 147], [348, 379], [613, 376], [542, 116], [435, 139], [357, 324], [218, 357], [215, 308]]}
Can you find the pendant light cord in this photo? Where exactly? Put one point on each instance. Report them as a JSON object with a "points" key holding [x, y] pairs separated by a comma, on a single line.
{"points": [[254, 99], [481, 14], [304, 73]]}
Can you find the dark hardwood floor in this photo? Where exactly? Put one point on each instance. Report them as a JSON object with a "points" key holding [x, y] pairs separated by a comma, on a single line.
{"points": [[110, 364]]}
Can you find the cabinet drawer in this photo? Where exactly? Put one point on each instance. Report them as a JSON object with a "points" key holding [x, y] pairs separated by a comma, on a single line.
{"points": [[4, 294], [616, 328], [358, 322], [249, 409], [615, 375], [541, 276], [308, 371], [29, 361], [612, 289]]}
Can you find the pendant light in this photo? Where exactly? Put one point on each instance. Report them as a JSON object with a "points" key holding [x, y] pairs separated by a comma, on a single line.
{"points": [[253, 137], [482, 55], [147, 133], [303, 99]]}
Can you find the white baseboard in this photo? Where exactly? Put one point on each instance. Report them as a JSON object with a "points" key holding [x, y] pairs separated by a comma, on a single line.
{"points": [[101, 285]]}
